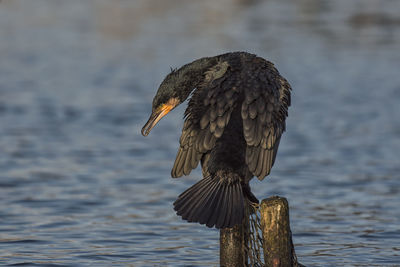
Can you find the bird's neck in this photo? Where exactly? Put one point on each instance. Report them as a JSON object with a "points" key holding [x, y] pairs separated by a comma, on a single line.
{"points": [[192, 74]]}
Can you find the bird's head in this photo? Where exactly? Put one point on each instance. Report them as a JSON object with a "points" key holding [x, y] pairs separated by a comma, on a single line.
{"points": [[176, 88]]}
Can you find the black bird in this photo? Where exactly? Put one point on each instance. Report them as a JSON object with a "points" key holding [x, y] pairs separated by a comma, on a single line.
{"points": [[233, 124]]}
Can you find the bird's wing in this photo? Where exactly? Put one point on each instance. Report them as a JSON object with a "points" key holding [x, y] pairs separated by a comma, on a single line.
{"points": [[208, 113], [264, 110]]}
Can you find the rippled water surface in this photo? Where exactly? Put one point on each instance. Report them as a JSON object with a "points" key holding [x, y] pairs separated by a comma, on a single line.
{"points": [[80, 186]]}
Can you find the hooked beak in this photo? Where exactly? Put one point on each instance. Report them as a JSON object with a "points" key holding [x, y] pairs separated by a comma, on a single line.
{"points": [[157, 114]]}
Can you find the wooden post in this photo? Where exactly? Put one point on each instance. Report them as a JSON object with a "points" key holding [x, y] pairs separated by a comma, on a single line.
{"points": [[232, 252], [277, 237]]}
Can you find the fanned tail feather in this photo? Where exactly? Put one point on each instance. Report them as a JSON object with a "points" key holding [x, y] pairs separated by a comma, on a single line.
{"points": [[213, 201]]}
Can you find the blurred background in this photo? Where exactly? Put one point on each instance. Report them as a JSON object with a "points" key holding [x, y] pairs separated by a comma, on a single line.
{"points": [[80, 186]]}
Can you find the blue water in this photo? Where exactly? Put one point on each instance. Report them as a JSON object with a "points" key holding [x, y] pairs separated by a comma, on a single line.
{"points": [[79, 185]]}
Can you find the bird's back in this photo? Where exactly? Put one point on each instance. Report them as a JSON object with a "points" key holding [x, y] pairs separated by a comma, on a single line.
{"points": [[239, 108]]}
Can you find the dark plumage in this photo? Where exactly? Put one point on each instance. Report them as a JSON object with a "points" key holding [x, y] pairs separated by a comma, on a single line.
{"points": [[233, 125]]}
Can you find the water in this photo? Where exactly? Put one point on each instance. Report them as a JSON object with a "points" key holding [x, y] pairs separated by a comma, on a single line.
{"points": [[80, 186]]}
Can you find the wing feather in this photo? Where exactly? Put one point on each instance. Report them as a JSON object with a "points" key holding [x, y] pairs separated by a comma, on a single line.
{"points": [[264, 111], [208, 113]]}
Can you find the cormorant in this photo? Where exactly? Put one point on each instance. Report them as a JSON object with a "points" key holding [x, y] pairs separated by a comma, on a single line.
{"points": [[233, 124]]}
